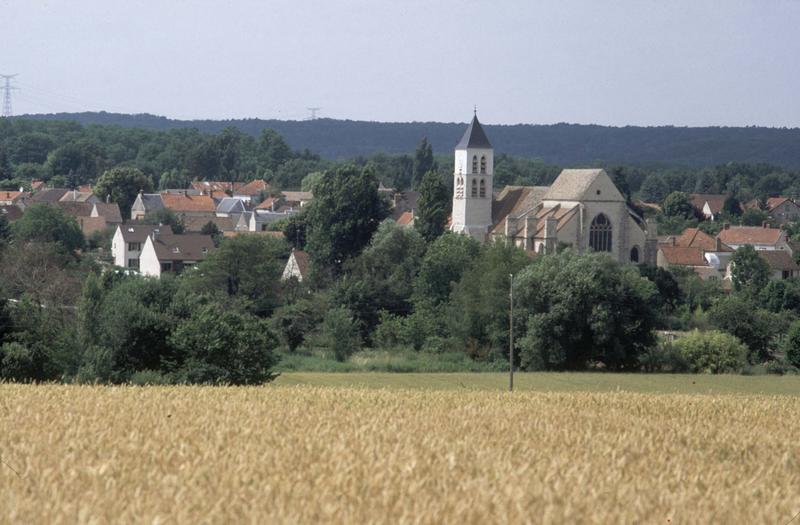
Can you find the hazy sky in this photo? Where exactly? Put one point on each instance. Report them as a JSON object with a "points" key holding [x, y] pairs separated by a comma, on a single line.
{"points": [[716, 62]]}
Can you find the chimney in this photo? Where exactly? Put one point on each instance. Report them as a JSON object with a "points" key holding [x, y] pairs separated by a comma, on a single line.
{"points": [[508, 227], [726, 226], [74, 194], [108, 199], [765, 224], [672, 240], [717, 244]]}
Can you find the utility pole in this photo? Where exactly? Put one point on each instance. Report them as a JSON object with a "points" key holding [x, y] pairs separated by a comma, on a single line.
{"points": [[511, 333], [7, 88]]}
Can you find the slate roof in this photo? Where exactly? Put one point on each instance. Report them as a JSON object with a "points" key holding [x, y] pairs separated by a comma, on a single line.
{"points": [[185, 247], [76, 208], [152, 201], [683, 255], [474, 137], [302, 260], [230, 205], [697, 238], [48, 196], [774, 202], [182, 202], [571, 185], [516, 200], [140, 232], [779, 260], [750, 235], [109, 211], [77, 196]]}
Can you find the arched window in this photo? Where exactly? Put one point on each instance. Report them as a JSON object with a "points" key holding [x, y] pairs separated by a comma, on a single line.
{"points": [[600, 234], [635, 254], [474, 187], [483, 163], [460, 188], [474, 164], [483, 188]]}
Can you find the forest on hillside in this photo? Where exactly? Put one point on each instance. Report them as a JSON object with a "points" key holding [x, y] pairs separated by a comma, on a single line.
{"points": [[562, 144]]}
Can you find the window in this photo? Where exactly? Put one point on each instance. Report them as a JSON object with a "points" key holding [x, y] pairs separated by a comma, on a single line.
{"points": [[483, 188], [483, 164], [460, 188], [133, 263], [635, 254], [474, 188], [600, 234], [134, 246], [474, 164]]}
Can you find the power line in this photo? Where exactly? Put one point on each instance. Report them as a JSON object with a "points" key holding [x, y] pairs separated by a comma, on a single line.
{"points": [[7, 89]]}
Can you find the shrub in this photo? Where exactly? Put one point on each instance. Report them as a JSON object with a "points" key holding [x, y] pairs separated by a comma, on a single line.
{"points": [[713, 352], [149, 377], [791, 345], [663, 357], [340, 333], [21, 363]]}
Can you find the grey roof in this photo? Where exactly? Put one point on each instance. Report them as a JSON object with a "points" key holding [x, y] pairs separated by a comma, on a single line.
{"points": [[152, 201], [230, 205], [186, 247], [474, 137], [196, 223], [140, 232], [50, 195], [571, 185]]}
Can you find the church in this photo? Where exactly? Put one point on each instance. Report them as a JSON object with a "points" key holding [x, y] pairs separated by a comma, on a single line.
{"points": [[582, 209]]}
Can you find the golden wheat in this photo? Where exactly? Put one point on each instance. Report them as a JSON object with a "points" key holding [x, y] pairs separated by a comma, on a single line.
{"points": [[306, 455]]}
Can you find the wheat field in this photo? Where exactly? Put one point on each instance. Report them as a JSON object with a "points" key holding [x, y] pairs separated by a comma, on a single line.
{"points": [[304, 454]]}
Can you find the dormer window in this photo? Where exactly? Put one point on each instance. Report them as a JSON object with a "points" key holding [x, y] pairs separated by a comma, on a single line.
{"points": [[483, 164], [205, 251], [176, 250], [474, 164]]}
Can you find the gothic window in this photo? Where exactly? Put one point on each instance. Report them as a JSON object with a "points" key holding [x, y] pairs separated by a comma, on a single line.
{"points": [[635, 254], [600, 234], [460, 188], [483, 188], [474, 188], [483, 164], [474, 164]]}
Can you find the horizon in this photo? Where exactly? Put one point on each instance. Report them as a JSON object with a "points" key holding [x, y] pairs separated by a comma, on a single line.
{"points": [[649, 64]]}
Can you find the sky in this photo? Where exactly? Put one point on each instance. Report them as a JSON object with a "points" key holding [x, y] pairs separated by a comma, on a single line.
{"points": [[614, 62]]}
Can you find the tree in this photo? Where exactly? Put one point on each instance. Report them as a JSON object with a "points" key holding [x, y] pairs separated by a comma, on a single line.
{"points": [[755, 327], [43, 223], [295, 321], [345, 212], [423, 161], [218, 345], [750, 271], [433, 206], [573, 310], [677, 204], [5, 232], [654, 189], [445, 261], [340, 333], [165, 217], [732, 207], [754, 217], [791, 345], [79, 162], [247, 268], [712, 352], [122, 185], [210, 228], [172, 179]]}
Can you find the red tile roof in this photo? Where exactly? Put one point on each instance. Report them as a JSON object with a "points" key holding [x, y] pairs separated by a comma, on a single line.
{"points": [[697, 238], [268, 203], [252, 188], [683, 255], [405, 219], [750, 235], [774, 202], [183, 203], [12, 196]]}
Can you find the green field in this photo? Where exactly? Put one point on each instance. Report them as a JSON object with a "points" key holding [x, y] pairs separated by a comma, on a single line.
{"points": [[556, 382]]}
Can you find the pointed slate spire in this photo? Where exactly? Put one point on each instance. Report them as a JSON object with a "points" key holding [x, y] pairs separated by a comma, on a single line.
{"points": [[474, 137]]}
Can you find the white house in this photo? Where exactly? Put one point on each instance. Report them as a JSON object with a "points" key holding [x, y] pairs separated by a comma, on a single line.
{"points": [[759, 237], [163, 253], [128, 241], [297, 266]]}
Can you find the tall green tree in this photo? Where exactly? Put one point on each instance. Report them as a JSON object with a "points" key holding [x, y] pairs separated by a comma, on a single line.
{"points": [[750, 271], [347, 209], [423, 161], [433, 206], [122, 185], [678, 205], [44, 223]]}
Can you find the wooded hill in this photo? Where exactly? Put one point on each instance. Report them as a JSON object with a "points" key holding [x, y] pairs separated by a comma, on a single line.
{"points": [[562, 144]]}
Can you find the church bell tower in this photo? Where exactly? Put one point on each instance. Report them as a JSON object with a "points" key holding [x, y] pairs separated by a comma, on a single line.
{"points": [[473, 175]]}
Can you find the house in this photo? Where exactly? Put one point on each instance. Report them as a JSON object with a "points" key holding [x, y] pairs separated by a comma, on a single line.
{"points": [[90, 225], [255, 188], [230, 207], [187, 204], [128, 241], [48, 196], [11, 213], [75, 208], [296, 199], [759, 237], [146, 203], [196, 223], [79, 196], [297, 266], [709, 257], [708, 205], [169, 253], [406, 219], [781, 264], [13, 198], [582, 208], [402, 202], [209, 187], [108, 211], [782, 210]]}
